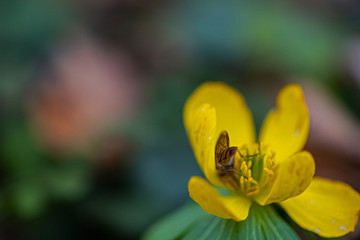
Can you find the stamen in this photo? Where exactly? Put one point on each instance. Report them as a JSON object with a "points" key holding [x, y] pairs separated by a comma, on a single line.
{"points": [[268, 171], [253, 168], [251, 191], [249, 173], [270, 162], [244, 168], [242, 186], [242, 180], [250, 179]]}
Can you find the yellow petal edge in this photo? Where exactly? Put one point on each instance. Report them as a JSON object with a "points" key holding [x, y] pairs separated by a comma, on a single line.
{"points": [[285, 129], [201, 136], [232, 113], [233, 207], [328, 208], [291, 178]]}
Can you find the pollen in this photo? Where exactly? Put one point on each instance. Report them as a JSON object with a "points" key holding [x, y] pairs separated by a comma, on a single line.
{"points": [[249, 173], [251, 191], [244, 168], [251, 170], [269, 172], [254, 165]]}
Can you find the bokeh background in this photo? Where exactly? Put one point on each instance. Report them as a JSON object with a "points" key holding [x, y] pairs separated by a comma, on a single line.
{"points": [[91, 96]]}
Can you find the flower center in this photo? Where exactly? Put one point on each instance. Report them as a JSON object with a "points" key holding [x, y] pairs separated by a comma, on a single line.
{"points": [[252, 168]]}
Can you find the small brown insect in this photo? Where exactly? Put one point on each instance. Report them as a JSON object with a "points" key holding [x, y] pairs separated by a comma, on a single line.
{"points": [[225, 161]]}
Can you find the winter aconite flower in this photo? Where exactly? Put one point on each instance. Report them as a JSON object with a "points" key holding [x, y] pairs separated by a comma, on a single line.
{"points": [[273, 169]]}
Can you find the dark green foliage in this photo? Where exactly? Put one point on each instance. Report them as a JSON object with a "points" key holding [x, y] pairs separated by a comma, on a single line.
{"points": [[191, 222]]}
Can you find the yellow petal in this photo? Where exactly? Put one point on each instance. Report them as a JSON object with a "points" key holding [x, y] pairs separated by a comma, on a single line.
{"points": [[201, 135], [232, 113], [211, 109], [229, 207], [285, 129], [291, 177], [328, 208]]}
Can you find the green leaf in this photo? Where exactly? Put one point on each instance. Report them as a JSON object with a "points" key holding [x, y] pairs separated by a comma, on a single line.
{"points": [[172, 226], [204, 230], [251, 227], [192, 223], [272, 225]]}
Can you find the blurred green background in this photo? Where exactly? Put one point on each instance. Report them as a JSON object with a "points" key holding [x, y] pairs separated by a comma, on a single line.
{"points": [[91, 96]]}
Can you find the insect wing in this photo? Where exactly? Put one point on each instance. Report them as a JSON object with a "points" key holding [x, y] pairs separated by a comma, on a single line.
{"points": [[221, 145]]}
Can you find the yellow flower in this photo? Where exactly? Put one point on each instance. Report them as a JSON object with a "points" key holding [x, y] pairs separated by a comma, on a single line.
{"points": [[274, 170]]}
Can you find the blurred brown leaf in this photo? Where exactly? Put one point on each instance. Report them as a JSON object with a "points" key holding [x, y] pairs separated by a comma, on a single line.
{"points": [[334, 140]]}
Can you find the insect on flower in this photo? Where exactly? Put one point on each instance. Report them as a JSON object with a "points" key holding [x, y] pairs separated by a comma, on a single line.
{"points": [[225, 161], [227, 164], [273, 169]]}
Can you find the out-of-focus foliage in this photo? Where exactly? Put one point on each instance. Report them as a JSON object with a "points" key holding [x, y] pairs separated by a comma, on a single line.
{"points": [[260, 34], [28, 30]]}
